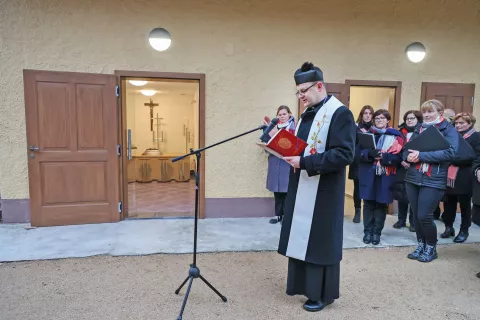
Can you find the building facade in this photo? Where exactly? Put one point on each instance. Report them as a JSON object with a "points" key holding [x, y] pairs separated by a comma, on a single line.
{"points": [[247, 52]]}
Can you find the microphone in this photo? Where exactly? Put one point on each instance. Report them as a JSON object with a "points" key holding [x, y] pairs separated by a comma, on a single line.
{"points": [[265, 137]]}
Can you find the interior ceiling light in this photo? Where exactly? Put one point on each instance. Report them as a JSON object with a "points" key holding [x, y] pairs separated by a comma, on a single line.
{"points": [[415, 52], [138, 83], [160, 39], [148, 93]]}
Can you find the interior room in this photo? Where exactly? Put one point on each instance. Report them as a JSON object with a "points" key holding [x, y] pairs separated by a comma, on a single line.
{"points": [[378, 98], [162, 123]]}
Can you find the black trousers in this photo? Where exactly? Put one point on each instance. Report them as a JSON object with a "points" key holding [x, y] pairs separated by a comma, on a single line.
{"points": [[279, 203], [424, 201], [374, 215], [356, 194], [476, 214], [450, 210], [403, 212]]}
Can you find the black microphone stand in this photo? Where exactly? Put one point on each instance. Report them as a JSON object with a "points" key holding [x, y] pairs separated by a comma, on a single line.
{"points": [[194, 271]]}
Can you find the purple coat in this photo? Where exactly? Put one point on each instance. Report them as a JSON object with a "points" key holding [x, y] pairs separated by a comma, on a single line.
{"points": [[278, 169], [278, 173]]}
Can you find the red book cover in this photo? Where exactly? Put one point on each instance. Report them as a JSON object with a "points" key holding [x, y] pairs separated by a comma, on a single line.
{"points": [[284, 144]]}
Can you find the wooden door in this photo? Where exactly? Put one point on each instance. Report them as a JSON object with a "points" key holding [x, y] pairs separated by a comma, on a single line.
{"points": [[455, 96], [72, 123], [338, 90]]}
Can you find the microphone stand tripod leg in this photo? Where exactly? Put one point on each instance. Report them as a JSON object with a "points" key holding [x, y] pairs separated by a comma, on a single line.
{"points": [[213, 288], [181, 286], [186, 297]]}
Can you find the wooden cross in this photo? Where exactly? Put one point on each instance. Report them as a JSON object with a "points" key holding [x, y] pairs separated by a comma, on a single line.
{"points": [[151, 105]]}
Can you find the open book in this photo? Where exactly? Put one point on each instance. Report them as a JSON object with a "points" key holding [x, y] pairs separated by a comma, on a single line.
{"points": [[284, 144]]}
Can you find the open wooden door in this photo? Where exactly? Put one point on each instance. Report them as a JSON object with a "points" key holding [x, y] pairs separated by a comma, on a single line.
{"points": [[338, 90], [72, 123], [455, 96]]}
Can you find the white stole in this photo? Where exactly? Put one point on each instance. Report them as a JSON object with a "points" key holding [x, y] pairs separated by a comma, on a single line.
{"points": [[308, 186]]}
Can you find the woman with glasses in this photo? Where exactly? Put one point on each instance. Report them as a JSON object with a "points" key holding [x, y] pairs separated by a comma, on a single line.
{"points": [[278, 169], [460, 180], [410, 119], [377, 170], [426, 179], [364, 122]]}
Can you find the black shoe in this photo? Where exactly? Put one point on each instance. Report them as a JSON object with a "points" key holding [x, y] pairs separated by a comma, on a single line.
{"points": [[276, 220], [376, 239], [449, 232], [418, 251], [429, 254], [411, 228], [462, 236], [356, 218], [314, 306], [367, 239], [399, 224]]}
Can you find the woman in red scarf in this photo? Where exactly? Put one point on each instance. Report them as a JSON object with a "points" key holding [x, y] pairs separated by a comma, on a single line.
{"points": [[426, 179], [460, 181]]}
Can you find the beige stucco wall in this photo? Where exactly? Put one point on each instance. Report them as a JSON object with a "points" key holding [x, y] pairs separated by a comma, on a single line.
{"points": [[248, 51]]}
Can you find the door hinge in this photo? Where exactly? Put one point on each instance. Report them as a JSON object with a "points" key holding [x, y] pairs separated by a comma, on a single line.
{"points": [[119, 150], [120, 207], [117, 91], [472, 101]]}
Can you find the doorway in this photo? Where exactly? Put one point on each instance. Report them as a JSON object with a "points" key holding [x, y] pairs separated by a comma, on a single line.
{"points": [[379, 95], [161, 120]]}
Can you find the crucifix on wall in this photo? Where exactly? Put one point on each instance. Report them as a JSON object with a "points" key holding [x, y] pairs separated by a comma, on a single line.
{"points": [[151, 105]]}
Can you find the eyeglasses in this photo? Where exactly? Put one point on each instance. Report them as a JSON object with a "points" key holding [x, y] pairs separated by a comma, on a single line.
{"points": [[303, 91], [411, 119], [380, 119]]}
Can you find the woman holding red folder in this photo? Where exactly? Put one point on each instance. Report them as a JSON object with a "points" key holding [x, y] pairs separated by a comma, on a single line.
{"points": [[279, 169], [426, 179]]}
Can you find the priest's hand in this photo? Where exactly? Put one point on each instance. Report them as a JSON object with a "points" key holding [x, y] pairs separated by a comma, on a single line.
{"points": [[293, 161], [413, 156]]}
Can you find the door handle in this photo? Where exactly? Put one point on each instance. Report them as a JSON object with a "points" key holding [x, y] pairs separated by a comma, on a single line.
{"points": [[129, 143], [32, 148]]}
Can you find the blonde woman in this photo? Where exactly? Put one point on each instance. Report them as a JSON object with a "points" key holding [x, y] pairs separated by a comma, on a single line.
{"points": [[426, 179]]}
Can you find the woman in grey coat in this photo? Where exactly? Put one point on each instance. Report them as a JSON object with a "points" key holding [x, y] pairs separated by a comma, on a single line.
{"points": [[278, 169]]}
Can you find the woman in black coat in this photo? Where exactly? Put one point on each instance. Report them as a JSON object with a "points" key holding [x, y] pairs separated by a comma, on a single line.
{"points": [[426, 179], [411, 118], [460, 180], [364, 123]]}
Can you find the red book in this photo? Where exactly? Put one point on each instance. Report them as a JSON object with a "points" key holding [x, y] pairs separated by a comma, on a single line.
{"points": [[284, 144]]}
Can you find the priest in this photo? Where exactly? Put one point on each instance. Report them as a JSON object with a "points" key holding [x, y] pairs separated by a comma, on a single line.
{"points": [[312, 231]]}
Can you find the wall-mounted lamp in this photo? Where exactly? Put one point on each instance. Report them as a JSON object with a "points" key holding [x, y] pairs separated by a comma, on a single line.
{"points": [[415, 52], [138, 83], [160, 39], [148, 93]]}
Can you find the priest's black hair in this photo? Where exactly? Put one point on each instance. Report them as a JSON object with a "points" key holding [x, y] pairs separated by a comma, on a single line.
{"points": [[307, 66]]}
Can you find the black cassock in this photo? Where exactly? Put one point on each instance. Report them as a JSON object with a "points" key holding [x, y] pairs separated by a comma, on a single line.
{"points": [[317, 276]]}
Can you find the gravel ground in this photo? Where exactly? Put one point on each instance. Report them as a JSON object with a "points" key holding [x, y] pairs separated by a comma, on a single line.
{"points": [[376, 284]]}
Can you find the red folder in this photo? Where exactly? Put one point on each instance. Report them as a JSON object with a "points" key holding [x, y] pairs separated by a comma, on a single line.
{"points": [[284, 144]]}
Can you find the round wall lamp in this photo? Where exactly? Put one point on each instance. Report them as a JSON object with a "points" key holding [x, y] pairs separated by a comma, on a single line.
{"points": [[160, 39], [148, 93], [138, 83], [415, 52]]}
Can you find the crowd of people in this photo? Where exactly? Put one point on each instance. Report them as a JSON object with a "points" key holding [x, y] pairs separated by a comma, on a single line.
{"points": [[386, 164], [390, 173]]}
